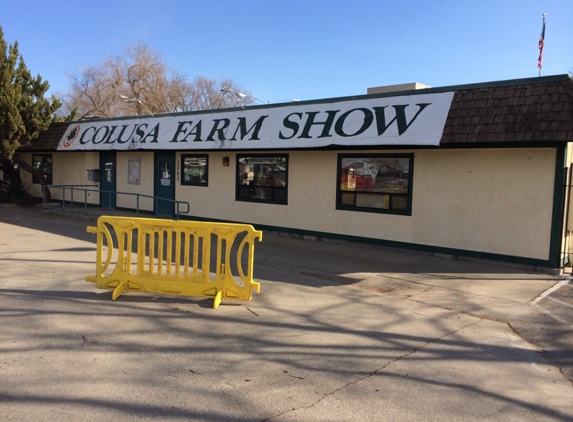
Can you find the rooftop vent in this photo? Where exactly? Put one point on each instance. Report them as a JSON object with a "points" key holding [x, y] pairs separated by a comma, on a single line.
{"points": [[395, 88]]}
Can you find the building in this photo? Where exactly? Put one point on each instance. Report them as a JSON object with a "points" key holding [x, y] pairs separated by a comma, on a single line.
{"points": [[478, 170]]}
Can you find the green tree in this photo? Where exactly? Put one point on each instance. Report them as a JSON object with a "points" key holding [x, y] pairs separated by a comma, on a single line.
{"points": [[24, 112]]}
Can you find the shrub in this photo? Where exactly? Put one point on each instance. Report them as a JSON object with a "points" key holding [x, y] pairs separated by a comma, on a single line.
{"points": [[15, 193]]}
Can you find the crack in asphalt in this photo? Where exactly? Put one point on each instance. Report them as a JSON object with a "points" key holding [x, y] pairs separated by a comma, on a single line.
{"points": [[445, 288], [371, 374]]}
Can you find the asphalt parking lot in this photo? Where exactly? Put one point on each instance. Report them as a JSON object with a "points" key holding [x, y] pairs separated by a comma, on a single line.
{"points": [[339, 332]]}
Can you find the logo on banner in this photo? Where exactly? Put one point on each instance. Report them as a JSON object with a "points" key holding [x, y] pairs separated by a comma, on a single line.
{"points": [[71, 136]]}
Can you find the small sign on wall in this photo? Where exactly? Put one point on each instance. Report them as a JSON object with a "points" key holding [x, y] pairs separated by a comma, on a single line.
{"points": [[134, 171]]}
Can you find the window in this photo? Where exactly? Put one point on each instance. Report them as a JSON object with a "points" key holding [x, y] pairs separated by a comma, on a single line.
{"points": [[42, 162], [375, 183], [195, 170], [262, 178]]}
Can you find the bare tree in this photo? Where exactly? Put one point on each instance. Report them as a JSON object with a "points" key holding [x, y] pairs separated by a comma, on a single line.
{"points": [[208, 94], [141, 83], [93, 92]]}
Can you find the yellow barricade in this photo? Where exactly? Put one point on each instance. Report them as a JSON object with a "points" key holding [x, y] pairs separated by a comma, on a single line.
{"points": [[186, 258]]}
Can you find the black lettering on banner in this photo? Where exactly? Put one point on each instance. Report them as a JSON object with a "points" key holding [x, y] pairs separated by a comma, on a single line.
{"points": [[196, 130], [97, 133], [108, 137], [140, 132], [219, 130], [310, 122], [366, 122], [84, 134], [289, 124], [242, 128], [154, 133], [119, 139], [181, 129], [399, 118]]}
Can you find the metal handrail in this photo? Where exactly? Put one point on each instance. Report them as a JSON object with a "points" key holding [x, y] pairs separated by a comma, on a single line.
{"points": [[90, 188]]}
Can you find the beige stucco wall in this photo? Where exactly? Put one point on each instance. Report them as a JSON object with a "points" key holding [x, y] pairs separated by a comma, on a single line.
{"points": [[487, 200], [496, 201], [68, 168]]}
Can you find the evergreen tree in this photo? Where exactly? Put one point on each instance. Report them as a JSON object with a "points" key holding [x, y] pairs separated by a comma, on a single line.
{"points": [[24, 113]]}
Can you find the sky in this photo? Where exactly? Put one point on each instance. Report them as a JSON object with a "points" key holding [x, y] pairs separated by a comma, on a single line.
{"points": [[281, 50]]}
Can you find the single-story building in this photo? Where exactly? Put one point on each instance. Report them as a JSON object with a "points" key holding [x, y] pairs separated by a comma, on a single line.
{"points": [[479, 170]]}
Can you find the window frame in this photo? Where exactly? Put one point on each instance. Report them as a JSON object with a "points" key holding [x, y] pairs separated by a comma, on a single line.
{"points": [[49, 176], [192, 183], [396, 211], [239, 183]]}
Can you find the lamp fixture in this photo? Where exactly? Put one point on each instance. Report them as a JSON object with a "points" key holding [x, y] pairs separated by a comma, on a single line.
{"points": [[135, 100], [236, 96], [239, 97]]}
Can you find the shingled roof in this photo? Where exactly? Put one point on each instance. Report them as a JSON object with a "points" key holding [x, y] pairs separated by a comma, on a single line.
{"points": [[516, 111], [48, 140], [529, 110]]}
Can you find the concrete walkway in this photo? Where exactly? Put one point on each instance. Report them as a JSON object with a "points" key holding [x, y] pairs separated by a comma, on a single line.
{"points": [[339, 332]]}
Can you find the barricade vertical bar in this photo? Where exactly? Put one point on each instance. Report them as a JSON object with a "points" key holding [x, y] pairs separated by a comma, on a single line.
{"points": [[169, 257], [177, 253], [121, 248], [206, 264], [151, 252], [129, 250], [141, 242], [187, 252], [160, 253], [196, 252]]}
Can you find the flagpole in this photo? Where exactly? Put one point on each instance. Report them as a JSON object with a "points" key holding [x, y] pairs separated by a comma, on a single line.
{"points": [[541, 45]]}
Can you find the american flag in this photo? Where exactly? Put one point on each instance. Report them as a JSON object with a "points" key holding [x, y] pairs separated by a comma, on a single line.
{"points": [[541, 42]]}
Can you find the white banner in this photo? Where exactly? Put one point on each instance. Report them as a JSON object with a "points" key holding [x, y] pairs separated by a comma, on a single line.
{"points": [[406, 120]]}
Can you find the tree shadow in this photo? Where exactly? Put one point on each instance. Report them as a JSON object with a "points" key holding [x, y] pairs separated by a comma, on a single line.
{"points": [[170, 357]]}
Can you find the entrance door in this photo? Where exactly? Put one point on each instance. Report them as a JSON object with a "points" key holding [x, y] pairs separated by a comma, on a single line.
{"points": [[164, 181], [107, 179]]}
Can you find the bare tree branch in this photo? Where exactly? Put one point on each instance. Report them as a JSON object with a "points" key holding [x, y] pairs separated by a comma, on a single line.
{"points": [[101, 90]]}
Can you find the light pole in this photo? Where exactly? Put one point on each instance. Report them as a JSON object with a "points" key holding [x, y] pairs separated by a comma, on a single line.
{"points": [[136, 101], [236, 96], [240, 95]]}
